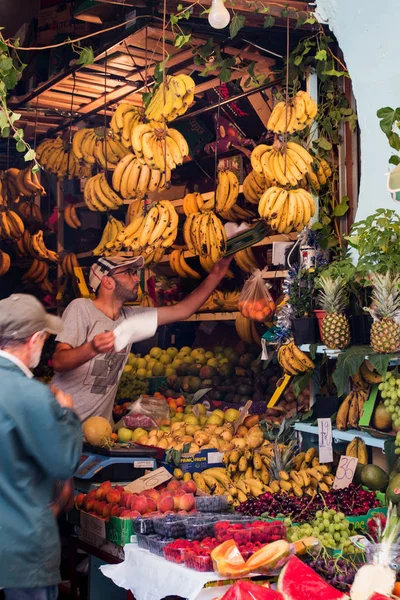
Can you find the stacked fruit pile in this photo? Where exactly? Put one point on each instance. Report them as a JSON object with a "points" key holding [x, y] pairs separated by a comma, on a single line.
{"points": [[130, 385], [113, 500], [352, 501]]}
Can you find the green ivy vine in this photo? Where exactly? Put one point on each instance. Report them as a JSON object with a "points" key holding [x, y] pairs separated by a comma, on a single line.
{"points": [[389, 121]]}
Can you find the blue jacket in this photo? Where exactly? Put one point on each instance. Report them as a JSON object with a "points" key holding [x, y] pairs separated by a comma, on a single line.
{"points": [[40, 442]]}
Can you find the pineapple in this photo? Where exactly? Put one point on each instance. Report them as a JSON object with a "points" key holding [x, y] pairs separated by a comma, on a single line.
{"points": [[385, 307], [333, 299]]}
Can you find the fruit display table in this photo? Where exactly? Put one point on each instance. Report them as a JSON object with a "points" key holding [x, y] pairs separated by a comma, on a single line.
{"points": [[98, 589], [167, 578]]}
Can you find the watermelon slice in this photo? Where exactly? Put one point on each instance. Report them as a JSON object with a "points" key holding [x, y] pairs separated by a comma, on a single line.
{"points": [[297, 581], [377, 596], [246, 590]]}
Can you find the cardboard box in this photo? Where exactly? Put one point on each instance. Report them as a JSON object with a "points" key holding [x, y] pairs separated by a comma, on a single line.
{"points": [[115, 530], [102, 544], [59, 19], [201, 461]]}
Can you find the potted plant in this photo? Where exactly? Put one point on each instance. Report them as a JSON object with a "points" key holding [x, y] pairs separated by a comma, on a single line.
{"points": [[301, 300], [359, 321]]}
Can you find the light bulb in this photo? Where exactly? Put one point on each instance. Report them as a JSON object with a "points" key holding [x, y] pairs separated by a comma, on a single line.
{"points": [[219, 16]]}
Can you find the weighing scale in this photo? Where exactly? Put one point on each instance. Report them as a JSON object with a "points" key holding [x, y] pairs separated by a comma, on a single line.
{"points": [[121, 464]]}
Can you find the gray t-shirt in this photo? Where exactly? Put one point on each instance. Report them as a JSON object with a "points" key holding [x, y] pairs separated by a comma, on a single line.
{"points": [[94, 384]]}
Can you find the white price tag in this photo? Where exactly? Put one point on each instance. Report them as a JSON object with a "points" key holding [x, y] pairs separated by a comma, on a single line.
{"points": [[345, 472], [325, 440], [264, 353]]}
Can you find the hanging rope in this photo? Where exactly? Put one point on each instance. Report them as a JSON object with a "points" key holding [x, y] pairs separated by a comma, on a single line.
{"points": [[70, 123], [105, 112], [217, 127], [287, 84], [164, 79]]}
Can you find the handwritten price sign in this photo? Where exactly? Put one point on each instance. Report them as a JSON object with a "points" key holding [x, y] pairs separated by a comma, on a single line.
{"points": [[325, 440], [345, 472]]}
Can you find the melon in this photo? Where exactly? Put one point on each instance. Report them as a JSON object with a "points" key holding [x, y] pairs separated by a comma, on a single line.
{"points": [[373, 581], [297, 581], [228, 561], [269, 557], [247, 590], [95, 430]]}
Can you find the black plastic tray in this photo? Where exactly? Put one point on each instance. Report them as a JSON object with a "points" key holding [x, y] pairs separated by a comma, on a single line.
{"points": [[123, 450]]}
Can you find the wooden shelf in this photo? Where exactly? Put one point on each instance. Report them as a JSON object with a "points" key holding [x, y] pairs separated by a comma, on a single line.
{"points": [[343, 436], [275, 274], [213, 316]]}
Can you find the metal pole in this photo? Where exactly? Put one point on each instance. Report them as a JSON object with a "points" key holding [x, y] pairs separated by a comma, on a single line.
{"points": [[207, 109]]}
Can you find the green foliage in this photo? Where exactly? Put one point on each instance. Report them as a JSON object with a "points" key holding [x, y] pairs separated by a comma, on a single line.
{"points": [[377, 241], [390, 125], [301, 293], [236, 24], [350, 361]]}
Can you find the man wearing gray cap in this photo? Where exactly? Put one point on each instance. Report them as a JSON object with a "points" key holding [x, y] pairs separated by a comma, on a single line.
{"points": [[88, 360], [40, 443]]}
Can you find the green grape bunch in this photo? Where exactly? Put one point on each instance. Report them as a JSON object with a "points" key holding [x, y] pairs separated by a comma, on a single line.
{"points": [[390, 394], [329, 526]]}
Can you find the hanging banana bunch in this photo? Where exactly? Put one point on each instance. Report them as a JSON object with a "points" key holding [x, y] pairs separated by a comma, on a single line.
{"points": [[282, 164], [286, 211], [99, 146], [159, 147], [11, 225], [71, 218], [247, 330], [34, 245], [205, 235], [124, 120], [192, 203], [254, 186], [135, 208], [179, 266], [56, 157], [5, 262], [29, 211], [108, 243], [149, 232], [133, 179], [294, 116], [99, 195], [246, 260], [171, 99]]}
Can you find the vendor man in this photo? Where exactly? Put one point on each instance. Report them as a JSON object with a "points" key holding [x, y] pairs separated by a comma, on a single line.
{"points": [[86, 363]]}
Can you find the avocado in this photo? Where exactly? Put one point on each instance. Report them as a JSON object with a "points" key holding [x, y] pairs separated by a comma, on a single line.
{"points": [[245, 390], [236, 399], [216, 380], [357, 474], [194, 370], [227, 351], [177, 385], [375, 478], [227, 370], [393, 489], [208, 382], [182, 369], [230, 398], [392, 474], [185, 383], [258, 397], [233, 359], [245, 360], [194, 384], [171, 380], [207, 372]]}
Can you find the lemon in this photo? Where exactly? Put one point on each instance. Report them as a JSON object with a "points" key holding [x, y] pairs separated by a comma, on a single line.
{"points": [[156, 352], [124, 435]]}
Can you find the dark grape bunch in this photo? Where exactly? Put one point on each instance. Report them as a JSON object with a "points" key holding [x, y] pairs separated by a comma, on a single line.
{"points": [[353, 500], [338, 572]]}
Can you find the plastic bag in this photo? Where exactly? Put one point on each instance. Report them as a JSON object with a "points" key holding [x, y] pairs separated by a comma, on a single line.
{"points": [[255, 301], [146, 412]]}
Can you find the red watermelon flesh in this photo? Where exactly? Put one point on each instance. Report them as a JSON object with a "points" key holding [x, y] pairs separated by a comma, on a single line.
{"points": [[377, 596], [246, 590], [297, 581]]}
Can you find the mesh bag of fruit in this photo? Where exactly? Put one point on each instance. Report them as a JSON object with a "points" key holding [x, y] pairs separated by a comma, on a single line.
{"points": [[255, 301], [146, 412]]}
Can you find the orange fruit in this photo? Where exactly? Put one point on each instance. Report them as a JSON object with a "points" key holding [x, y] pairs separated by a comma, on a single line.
{"points": [[179, 409], [245, 311], [396, 589], [180, 401], [259, 316]]}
